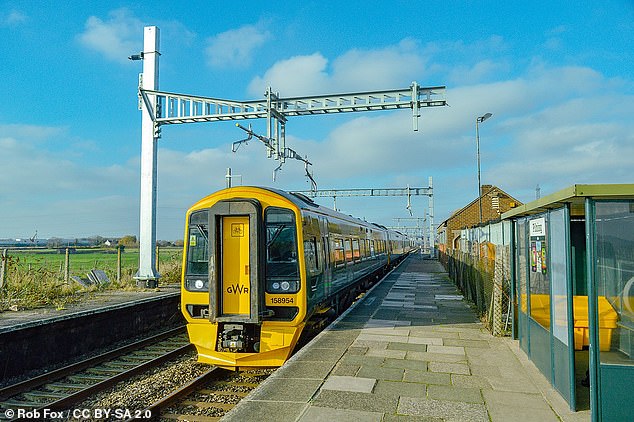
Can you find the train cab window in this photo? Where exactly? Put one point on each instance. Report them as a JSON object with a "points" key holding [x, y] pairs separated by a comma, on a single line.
{"points": [[197, 244], [197, 252], [282, 274], [310, 254]]}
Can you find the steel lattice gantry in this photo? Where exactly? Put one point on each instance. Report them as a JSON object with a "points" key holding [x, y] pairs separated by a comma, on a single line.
{"points": [[407, 191], [166, 108]]}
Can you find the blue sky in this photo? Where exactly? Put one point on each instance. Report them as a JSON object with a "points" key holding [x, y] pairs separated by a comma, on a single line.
{"points": [[557, 76]]}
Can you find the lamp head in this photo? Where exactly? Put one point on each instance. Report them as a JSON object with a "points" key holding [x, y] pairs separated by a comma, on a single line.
{"points": [[484, 117]]}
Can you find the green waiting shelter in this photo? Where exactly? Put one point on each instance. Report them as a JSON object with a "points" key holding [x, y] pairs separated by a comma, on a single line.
{"points": [[573, 290]]}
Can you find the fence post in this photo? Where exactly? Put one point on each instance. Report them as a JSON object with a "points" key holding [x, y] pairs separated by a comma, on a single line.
{"points": [[118, 264], [3, 268], [67, 266], [501, 261]]}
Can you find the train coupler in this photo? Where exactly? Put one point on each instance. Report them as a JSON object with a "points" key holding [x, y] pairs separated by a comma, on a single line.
{"points": [[238, 338]]}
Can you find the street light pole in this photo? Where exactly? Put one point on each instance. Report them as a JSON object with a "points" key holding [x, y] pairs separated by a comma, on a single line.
{"points": [[479, 120]]}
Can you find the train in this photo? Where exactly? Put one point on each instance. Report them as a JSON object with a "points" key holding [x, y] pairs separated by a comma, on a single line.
{"points": [[260, 263]]}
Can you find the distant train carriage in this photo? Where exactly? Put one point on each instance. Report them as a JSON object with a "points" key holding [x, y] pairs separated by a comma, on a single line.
{"points": [[258, 263]]}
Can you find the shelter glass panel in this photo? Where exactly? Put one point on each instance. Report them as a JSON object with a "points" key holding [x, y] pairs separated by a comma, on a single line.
{"points": [[563, 356], [521, 274], [558, 273], [615, 280], [538, 280], [522, 265]]}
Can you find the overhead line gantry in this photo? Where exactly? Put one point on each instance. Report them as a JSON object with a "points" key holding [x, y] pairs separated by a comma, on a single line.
{"points": [[169, 108], [407, 191]]}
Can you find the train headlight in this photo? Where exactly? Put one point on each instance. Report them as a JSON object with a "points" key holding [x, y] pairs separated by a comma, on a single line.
{"points": [[197, 284], [282, 286]]}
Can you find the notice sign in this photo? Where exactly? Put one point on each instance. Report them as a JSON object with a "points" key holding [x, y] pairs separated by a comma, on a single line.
{"points": [[538, 227], [538, 253]]}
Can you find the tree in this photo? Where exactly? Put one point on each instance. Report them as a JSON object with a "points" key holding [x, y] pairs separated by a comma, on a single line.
{"points": [[128, 240]]}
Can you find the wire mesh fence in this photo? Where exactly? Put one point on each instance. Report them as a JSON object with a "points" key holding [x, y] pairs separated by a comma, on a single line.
{"points": [[483, 276]]}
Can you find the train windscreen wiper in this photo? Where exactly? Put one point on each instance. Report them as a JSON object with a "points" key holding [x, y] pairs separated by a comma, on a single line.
{"points": [[276, 234], [202, 232]]}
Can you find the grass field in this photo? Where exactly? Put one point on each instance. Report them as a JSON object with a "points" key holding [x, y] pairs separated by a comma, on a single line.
{"points": [[36, 278], [84, 260]]}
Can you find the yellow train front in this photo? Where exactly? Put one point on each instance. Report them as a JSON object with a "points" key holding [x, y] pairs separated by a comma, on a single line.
{"points": [[259, 262]]}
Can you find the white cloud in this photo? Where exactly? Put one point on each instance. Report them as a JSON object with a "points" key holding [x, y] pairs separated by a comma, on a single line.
{"points": [[56, 192], [553, 126], [116, 38], [354, 70], [13, 18], [235, 48]]}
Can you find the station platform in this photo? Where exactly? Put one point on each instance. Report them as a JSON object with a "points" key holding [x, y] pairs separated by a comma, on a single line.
{"points": [[97, 302], [410, 350]]}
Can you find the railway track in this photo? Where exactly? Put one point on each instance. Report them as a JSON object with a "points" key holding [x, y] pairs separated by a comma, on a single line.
{"points": [[205, 398], [58, 390]]}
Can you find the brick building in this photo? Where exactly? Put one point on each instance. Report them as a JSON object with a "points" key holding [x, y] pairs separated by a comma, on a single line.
{"points": [[494, 202]]}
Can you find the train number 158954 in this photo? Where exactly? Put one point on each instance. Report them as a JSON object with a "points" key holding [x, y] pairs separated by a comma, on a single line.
{"points": [[283, 300]]}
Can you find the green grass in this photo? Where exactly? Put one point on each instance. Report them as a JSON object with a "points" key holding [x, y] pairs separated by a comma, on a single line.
{"points": [[35, 278]]}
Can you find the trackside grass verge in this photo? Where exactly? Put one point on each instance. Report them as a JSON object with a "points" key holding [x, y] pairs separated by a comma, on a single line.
{"points": [[37, 280]]}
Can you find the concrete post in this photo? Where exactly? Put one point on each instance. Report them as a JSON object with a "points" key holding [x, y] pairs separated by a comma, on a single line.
{"points": [[3, 268], [147, 276], [67, 266], [119, 264]]}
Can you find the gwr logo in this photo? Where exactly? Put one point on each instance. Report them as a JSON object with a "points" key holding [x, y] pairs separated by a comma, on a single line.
{"points": [[237, 288]]}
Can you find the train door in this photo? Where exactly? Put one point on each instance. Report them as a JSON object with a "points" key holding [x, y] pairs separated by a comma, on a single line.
{"points": [[235, 276], [325, 243], [235, 280]]}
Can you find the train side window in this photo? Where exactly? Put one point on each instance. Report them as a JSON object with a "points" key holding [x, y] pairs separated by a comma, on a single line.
{"points": [[310, 253], [372, 253], [362, 250], [356, 253], [347, 248], [337, 252]]}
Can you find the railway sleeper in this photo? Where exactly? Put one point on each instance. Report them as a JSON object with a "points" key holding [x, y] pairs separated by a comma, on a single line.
{"points": [[207, 405], [236, 384], [156, 351], [121, 364], [224, 393], [98, 370], [87, 378], [135, 357], [65, 386], [192, 418], [38, 395], [14, 404]]}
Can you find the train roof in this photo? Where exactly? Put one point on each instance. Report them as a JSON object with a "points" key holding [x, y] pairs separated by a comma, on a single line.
{"points": [[305, 203]]}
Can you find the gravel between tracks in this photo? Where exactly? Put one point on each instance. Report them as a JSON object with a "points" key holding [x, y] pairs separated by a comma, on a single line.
{"points": [[142, 390]]}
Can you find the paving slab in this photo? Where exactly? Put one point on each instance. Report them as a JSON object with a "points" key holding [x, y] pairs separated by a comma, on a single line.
{"points": [[327, 414], [412, 349], [446, 410], [348, 383]]}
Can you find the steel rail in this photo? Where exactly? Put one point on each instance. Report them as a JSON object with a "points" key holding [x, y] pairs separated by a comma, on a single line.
{"points": [[155, 408], [37, 381], [100, 386]]}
